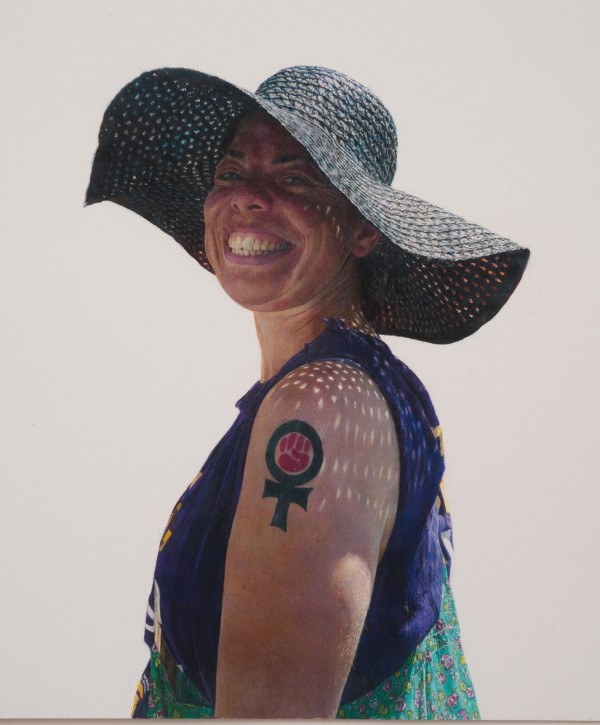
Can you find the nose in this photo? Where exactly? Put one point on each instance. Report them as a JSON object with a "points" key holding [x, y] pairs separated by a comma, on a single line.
{"points": [[251, 197]]}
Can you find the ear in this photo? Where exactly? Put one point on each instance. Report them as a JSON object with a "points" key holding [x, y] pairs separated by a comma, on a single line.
{"points": [[365, 240]]}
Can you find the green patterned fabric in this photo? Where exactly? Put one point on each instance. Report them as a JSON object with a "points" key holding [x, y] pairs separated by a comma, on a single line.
{"points": [[433, 684], [163, 700]]}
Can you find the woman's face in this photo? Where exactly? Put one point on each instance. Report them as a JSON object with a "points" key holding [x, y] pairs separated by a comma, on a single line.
{"points": [[278, 235]]}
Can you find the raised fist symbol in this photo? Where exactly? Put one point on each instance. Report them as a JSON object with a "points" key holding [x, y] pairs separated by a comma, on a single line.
{"points": [[294, 453], [294, 456]]}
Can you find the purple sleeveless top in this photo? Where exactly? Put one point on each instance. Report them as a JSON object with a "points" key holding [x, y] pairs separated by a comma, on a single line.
{"points": [[405, 604]]}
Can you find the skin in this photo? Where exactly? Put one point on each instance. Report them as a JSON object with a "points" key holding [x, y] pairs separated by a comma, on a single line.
{"points": [[267, 186], [295, 600]]}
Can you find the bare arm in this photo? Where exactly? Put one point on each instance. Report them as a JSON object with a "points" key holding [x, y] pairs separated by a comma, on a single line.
{"points": [[298, 582]]}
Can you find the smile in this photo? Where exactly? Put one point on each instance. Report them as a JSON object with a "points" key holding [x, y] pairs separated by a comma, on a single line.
{"points": [[251, 245]]}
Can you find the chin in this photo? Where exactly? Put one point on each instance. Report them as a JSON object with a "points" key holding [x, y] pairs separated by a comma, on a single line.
{"points": [[254, 298]]}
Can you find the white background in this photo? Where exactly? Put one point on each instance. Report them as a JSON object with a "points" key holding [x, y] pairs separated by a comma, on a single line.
{"points": [[121, 359]]}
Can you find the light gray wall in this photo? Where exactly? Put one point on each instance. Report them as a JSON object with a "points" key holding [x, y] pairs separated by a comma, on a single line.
{"points": [[121, 359]]}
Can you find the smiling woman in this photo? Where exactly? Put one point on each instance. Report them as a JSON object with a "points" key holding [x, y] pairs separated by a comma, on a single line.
{"points": [[279, 236], [304, 573]]}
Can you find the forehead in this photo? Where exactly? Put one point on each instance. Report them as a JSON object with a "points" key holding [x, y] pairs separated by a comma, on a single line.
{"points": [[258, 133]]}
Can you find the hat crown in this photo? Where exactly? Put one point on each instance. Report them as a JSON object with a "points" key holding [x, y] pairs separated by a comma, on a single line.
{"points": [[340, 106]]}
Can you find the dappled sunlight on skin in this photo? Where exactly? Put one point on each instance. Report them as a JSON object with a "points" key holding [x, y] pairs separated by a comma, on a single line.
{"points": [[283, 241], [355, 427], [320, 488], [356, 319], [307, 538], [278, 234]]}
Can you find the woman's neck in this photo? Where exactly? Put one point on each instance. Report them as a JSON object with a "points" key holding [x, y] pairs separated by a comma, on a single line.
{"points": [[282, 334]]}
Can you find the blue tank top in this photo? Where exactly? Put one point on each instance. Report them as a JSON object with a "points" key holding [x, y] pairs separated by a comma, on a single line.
{"points": [[188, 582]]}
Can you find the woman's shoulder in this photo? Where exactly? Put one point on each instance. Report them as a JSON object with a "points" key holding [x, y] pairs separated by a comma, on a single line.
{"points": [[332, 413], [326, 383], [345, 349], [336, 394]]}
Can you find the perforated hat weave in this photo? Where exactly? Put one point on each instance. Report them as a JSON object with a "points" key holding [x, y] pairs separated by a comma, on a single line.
{"points": [[432, 276]]}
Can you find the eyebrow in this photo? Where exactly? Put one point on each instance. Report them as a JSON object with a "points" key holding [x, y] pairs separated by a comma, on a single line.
{"points": [[283, 159], [288, 158]]}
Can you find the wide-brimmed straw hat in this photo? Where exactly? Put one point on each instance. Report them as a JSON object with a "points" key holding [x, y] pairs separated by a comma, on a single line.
{"points": [[432, 276]]}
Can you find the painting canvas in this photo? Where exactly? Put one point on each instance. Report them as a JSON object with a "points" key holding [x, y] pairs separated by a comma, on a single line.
{"points": [[123, 360]]}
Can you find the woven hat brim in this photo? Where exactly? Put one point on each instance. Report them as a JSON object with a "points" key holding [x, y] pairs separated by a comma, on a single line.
{"points": [[433, 276]]}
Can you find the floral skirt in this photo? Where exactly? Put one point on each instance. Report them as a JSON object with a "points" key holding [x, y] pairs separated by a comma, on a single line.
{"points": [[433, 684]]}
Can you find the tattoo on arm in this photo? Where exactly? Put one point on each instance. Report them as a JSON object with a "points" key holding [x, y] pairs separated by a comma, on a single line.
{"points": [[294, 456]]}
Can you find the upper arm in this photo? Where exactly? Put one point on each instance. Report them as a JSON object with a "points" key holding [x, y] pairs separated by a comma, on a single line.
{"points": [[317, 501]]}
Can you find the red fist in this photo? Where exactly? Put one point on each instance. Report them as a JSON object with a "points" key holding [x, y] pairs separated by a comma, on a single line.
{"points": [[295, 453]]}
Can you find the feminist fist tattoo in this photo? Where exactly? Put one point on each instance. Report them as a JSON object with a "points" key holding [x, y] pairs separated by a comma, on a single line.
{"points": [[294, 456]]}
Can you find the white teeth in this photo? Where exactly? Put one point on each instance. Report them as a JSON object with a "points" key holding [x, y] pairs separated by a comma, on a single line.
{"points": [[248, 244]]}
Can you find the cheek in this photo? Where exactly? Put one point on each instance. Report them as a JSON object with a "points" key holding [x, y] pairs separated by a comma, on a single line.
{"points": [[333, 222], [326, 216], [212, 204], [216, 205], [211, 214]]}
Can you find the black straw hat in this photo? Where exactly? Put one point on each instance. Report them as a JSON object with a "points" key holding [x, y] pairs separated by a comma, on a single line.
{"points": [[432, 276]]}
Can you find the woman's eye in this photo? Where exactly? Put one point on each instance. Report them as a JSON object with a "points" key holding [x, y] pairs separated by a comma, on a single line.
{"points": [[228, 176], [293, 180]]}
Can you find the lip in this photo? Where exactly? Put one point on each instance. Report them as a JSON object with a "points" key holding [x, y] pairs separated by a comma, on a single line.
{"points": [[258, 259]]}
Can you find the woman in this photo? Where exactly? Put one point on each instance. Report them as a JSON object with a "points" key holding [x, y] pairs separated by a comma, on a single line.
{"points": [[304, 572]]}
